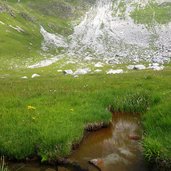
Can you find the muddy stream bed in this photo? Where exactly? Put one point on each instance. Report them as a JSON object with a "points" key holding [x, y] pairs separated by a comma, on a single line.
{"points": [[115, 148]]}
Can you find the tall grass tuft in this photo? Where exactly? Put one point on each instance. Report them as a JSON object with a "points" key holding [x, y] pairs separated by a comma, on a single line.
{"points": [[133, 102], [3, 166]]}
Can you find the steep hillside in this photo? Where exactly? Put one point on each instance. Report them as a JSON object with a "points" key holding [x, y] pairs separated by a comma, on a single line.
{"points": [[20, 38]]}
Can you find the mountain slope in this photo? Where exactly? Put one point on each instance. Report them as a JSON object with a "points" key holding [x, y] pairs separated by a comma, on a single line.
{"points": [[20, 38]]}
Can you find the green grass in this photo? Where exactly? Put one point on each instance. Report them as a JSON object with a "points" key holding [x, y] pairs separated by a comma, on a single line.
{"points": [[46, 115]]}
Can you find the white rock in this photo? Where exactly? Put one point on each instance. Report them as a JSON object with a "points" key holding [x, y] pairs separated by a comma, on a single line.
{"points": [[139, 67], [98, 65], [156, 67], [24, 77], [117, 71], [59, 70], [68, 72], [35, 75], [82, 71]]}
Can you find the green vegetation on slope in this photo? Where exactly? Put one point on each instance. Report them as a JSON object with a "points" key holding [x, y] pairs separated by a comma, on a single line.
{"points": [[46, 115], [152, 13]]}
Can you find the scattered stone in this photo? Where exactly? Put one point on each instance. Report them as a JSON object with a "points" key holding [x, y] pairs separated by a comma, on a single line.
{"points": [[99, 65], [24, 77], [156, 67], [117, 71], [35, 75], [82, 71], [158, 60], [68, 72]]}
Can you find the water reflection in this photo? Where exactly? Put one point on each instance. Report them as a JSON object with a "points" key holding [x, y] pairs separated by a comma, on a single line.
{"points": [[114, 148]]}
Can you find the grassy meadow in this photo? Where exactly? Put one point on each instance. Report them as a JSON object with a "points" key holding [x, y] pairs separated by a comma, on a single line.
{"points": [[44, 116]]}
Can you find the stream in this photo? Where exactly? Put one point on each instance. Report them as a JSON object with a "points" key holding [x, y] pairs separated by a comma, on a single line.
{"points": [[116, 148]]}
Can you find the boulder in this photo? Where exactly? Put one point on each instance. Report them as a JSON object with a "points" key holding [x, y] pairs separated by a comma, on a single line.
{"points": [[117, 71]]}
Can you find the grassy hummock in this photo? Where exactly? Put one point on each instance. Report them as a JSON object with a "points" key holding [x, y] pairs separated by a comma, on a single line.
{"points": [[46, 115]]}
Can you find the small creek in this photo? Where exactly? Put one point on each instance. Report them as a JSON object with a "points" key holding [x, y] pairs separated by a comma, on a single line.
{"points": [[116, 148]]}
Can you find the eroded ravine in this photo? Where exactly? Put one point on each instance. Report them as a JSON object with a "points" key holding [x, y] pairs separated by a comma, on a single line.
{"points": [[116, 148]]}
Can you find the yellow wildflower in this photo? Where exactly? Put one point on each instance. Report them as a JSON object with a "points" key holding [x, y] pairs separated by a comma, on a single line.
{"points": [[31, 108]]}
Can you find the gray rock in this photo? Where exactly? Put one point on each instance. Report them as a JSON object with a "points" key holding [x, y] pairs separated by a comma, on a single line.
{"points": [[68, 72]]}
